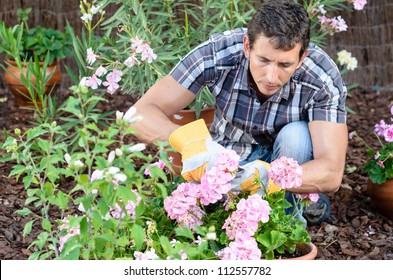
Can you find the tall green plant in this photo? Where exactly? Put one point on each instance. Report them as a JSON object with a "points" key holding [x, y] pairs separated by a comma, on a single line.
{"points": [[173, 28]]}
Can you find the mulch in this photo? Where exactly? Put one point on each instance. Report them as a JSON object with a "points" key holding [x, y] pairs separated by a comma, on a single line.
{"points": [[357, 231]]}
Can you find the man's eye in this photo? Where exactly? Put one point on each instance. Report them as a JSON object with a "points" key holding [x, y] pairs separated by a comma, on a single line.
{"points": [[285, 65]]}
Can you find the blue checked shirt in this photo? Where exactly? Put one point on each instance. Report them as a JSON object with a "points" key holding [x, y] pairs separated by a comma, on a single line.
{"points": [[315, 91]]}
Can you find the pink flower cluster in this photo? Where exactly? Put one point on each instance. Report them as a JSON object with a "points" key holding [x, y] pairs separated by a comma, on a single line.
{"points": [[118, 212], [243, 248], [286, 173], [333, 25], [385, 130], [114, 77], [241, 226], [160, 164], [359, 4], [70, 232], [249, 212], [183, 205]]}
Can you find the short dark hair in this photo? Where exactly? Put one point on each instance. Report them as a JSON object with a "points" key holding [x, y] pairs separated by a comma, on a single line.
{"points": [[285, 22]]}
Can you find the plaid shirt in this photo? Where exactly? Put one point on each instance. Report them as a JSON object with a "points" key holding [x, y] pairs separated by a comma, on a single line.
{"points": [[315, 91]]}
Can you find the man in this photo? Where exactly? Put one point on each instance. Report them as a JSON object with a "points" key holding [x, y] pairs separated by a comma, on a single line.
{"points": [[275, 93]]}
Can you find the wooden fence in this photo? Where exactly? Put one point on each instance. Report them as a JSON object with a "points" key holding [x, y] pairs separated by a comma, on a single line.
{"points": [[369, 37]]}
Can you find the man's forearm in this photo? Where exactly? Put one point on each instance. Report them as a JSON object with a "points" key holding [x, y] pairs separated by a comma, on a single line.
{"points": [[154, 126]]}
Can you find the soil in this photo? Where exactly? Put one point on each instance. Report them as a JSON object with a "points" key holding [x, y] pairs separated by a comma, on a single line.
{"points": [[356, 231]]}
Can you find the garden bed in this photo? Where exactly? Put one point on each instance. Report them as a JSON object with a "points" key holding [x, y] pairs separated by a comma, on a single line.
{"points": [[357, 231]]}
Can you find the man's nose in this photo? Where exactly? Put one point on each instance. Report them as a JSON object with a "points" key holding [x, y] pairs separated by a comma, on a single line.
{"points": [[272, 73]]}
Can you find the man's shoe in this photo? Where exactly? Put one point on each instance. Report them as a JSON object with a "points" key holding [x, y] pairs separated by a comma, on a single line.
{"points": [[318, 212]]}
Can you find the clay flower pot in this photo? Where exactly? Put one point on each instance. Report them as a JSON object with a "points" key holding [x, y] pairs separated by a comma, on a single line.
{"points": [[12, 78], [382, 197], [308, 250]]}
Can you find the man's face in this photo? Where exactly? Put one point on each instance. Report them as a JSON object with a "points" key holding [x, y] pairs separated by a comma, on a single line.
{"points": [[271, 68]]}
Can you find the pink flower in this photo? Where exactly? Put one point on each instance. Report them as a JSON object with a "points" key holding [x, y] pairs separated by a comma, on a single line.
{"points": [[286, 173], [359, 4], [131, 61], [249, 212], [380, 163], [91, 57], [311, 197], [101, 71], [227, 161], [388, 133], [148, 55], [118, 213], [380, 127], [93, 82], [135, 43], [241, 249], [160, 164]]}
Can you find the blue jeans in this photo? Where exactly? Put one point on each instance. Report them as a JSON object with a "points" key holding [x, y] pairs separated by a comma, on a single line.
{"points": [[292, 141]]}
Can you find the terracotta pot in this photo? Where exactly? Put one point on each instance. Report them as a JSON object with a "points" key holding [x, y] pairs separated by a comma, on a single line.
{"points": [[309, 251], [12, 78], [184, 117], [382, 197], [305, 251]]}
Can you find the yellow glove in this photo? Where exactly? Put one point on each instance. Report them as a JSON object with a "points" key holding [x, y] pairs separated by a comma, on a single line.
{"points": [[198, 150], [253, 177]]}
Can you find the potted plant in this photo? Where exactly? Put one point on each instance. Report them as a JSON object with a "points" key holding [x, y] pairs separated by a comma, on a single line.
{"points": [[379, 166], [24, 46]]}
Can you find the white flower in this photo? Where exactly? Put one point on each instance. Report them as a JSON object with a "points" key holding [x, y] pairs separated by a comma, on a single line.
{"points": [[111, 156], [211, 236], [352, 63], [67, 158], [120, 177], [95, 9], [78, 163], [118, 152], [86, 17], [113, 170], [91, 57], [343, 57], [148, 255], [96, 175], [81, 208], [138, 147]]}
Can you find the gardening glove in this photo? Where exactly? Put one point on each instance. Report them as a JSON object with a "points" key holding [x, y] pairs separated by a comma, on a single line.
{"points": [[198, 150], [253, 177]]}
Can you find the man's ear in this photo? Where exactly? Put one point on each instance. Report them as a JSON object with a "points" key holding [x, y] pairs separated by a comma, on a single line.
{"points": [[302, 58], [246, 44]]}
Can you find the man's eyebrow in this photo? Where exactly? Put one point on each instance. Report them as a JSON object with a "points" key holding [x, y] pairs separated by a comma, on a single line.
{"points": [[284, 62]]}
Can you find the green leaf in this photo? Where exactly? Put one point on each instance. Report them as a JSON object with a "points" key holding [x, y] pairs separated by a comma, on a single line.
{"points": [[24, 212], [46, 225], [166, 245], [184, 231], [138, 235], [28, 227]]}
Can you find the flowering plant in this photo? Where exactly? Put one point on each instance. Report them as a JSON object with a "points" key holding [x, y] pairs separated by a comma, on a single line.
{"points": [[379, 167], [324, 22], [113, 201], [241, 225]]}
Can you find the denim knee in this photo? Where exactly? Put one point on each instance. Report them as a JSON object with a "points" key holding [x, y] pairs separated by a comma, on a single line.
{"points": [[294, 141]]}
